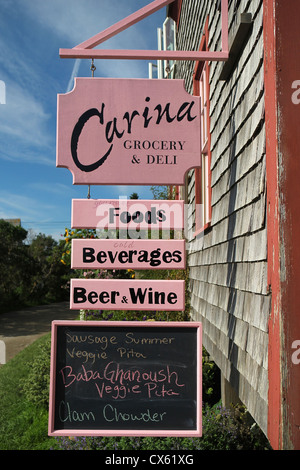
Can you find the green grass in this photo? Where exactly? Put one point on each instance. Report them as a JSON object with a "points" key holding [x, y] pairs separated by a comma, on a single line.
{"points": [[23, 425], [24, 422]]}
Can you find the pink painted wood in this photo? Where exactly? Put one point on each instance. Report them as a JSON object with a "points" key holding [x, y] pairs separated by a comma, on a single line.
{"points": [[128, 254], [124, 294], [83, 50], [128, 131], [117, 432], [123, 213], [143, 55], [124, 24]]}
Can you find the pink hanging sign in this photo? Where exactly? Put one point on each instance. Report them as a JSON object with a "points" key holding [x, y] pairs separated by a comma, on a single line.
{"points": [[128, 131], [113, 294], [127, 254], [132, 214]]}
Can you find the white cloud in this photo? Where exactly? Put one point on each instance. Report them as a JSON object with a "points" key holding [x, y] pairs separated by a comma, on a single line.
{"points": [[57, 188], [21, 206], [73, 75], [24, 131], [23, 116], [76, 21], [36, 215], [25, 119]]}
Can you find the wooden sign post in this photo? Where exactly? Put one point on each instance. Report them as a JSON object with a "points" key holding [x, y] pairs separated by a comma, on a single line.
{"points": [[125, 378]]}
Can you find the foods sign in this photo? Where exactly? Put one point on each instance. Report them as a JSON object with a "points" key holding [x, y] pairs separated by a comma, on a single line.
{"points": [[128, 131]]}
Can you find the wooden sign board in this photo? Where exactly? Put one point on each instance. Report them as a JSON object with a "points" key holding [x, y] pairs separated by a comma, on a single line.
{"points": [[127, 254], [128, 131], [125, 294], [126, 378], [130, 214]]}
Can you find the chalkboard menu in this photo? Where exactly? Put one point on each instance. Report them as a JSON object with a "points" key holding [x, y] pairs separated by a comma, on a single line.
{"points": [[125, 378]]}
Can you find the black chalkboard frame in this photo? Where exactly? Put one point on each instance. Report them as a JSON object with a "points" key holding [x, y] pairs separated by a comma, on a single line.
{"points": [[147, 326]]}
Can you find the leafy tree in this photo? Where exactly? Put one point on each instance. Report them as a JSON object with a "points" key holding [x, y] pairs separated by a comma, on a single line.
{"points": [[49, 273], [14, 264], [160, 192], [29, 273]]}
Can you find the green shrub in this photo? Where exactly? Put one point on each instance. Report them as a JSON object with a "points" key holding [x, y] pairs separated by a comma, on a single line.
{"points": [[211, 384], [223, 429], [23, 424], [35, 386], [230, 429]]}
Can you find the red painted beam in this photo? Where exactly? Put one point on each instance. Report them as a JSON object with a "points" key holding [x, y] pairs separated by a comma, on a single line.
{"points": [[288, 70], [274, 394]]}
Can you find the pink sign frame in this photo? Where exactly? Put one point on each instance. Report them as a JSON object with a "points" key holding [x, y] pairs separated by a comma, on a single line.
{"points": [[117, 432], [127, 254], [127, 294]]}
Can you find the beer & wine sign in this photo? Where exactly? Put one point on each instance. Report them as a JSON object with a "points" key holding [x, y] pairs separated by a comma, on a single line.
{"points": [[125, 294]]}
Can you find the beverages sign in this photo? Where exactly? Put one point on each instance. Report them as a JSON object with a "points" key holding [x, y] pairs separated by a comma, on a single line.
{"points": [[128, 131], [124, 254]]}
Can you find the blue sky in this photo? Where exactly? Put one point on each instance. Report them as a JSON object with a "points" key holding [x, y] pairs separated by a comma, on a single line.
{"points": [[31, 33]]}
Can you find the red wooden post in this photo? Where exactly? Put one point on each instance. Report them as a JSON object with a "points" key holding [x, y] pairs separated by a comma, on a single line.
{"points": [[282, 68]]}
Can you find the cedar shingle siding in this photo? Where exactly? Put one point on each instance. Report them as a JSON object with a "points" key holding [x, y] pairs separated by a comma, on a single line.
{"points": [[228, 264]]}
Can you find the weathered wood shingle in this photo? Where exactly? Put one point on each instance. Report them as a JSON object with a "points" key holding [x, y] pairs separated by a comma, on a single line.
{"points": [[228, 263]]}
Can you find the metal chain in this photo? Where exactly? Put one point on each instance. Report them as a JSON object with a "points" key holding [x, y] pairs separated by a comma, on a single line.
{"points": [[93, 67]]}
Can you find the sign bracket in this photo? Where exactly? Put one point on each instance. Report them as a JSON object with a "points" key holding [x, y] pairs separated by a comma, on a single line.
{"points": [[86, 50]]}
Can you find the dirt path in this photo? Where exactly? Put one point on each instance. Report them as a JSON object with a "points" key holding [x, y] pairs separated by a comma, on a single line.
{"points": [[20, 328]]}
